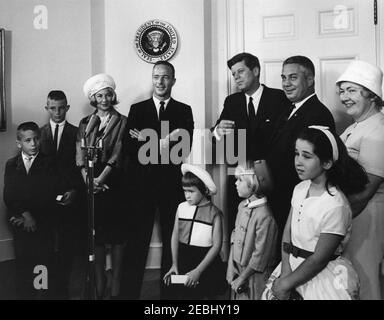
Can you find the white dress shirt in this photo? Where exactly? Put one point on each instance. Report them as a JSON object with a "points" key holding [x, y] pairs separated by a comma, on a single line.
{"points": [[299, 104], [256, 98], [157, 104], [104, 120], [28, 160], [60, 132]]}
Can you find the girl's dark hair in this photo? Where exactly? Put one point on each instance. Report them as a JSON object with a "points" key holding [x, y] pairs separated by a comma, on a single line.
{"points": [[345, 173], [191, 180]]}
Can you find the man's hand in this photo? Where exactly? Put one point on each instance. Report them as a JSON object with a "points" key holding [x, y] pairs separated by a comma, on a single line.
{"points": [[68, 198], [16, 221], [29, 222], [164, 143], [136, 134], [225, 127]]}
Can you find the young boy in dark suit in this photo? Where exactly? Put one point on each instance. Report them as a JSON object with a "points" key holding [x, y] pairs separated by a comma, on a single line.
{"points": [[58, 140], [30, 191]]}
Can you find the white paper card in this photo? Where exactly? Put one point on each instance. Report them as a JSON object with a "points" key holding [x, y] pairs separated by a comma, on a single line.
{"points": [[178, 278]]}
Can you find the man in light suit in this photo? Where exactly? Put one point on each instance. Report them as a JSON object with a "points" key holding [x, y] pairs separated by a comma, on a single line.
{"points": [[256, 108], [58, 141], [298, 81], [157, 184]]}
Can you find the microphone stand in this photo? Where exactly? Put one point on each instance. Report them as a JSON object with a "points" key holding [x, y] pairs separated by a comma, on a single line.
{"points": [[91, 158]]}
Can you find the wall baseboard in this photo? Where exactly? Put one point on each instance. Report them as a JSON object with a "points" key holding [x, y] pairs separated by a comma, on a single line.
{"points": [[154, 256], [6, 250], [153, 260]]}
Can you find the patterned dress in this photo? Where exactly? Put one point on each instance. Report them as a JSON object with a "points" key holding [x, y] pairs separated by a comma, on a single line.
{"points": [[110, 210], [195, 240]]}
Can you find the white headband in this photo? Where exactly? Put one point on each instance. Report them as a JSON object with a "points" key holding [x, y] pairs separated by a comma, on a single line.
{"points": [[331, 138]]}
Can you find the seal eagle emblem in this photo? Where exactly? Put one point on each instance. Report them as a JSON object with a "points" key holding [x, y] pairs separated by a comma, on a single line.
{"points": [[156, 40]]}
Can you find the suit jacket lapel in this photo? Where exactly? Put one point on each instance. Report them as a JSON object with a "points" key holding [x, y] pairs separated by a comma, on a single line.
{"points": [[263, 105], [20, 164], [36, 164], [48, 129], [244, 108], [152, 111], [168, 110], [49, 138], [307, 104], [282, 124]]}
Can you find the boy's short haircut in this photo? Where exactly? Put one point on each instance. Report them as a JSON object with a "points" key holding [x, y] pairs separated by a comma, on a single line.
{"points": [[57, 95], [25, 126]]}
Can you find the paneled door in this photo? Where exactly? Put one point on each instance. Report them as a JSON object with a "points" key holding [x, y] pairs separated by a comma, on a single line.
{"points": [[330, 32]]}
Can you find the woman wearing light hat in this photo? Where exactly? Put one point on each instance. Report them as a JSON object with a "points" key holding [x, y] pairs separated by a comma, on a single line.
{"points": [[360, 91], [105, 128]]}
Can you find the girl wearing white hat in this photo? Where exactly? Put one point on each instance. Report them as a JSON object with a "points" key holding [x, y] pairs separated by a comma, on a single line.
{"points": [[197, 239], [105, 127], [360, 92]]}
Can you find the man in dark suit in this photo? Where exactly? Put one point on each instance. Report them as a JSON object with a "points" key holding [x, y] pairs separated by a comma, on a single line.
{"points": [[58, 140], [162, 126], [254, 109], [298, 81]]}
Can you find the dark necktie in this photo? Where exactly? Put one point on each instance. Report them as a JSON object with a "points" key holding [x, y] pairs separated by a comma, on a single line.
{"points": [[161, 111], [56, 136], [290, 108], [251, 126], [251, 111]]}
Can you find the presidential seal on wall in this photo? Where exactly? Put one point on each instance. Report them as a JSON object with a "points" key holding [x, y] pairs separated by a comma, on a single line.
{"points": [[156, 40]]}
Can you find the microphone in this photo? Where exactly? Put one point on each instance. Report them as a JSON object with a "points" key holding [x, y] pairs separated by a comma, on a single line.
{"points": [[92, 124]]}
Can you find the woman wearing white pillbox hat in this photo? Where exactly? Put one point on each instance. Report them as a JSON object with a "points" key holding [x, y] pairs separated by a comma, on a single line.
{"points": [[105, 127], [360, 91]]}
